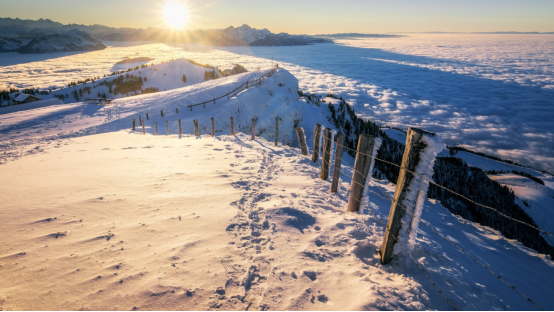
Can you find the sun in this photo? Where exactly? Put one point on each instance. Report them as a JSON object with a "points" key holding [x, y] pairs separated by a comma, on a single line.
{"points": [[176, 14]]}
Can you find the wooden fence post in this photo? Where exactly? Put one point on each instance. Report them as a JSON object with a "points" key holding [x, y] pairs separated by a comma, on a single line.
{"points": [[253, 127], [195, 121], [162, 112], [338, 159], [166, 127], [147, 118], [140, 121], [190, 108], [213, 128], [180, 132], [326, 153], [156, 125], [143, 132], [366, 143], [276, 130], [406, 186], [317, 135], [177, 110], [133, 124], [232, 127], [302, 141]]}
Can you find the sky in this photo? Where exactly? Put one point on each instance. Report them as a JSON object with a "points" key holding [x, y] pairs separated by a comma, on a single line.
{"points": [[303, 16]]}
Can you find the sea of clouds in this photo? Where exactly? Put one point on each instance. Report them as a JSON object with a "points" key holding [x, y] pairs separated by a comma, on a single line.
{"points": [[491, 93]]}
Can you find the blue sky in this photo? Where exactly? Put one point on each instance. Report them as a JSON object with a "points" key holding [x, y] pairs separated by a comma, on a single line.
{"points": [[303, 16]]}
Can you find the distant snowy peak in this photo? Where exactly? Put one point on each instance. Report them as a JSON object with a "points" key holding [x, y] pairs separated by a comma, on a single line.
{"points": [[73, 40], [246, 35], [243, 35]]}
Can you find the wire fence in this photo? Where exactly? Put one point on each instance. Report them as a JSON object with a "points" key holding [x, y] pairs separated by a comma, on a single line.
{"points": [[385, 196], [474, 258]]}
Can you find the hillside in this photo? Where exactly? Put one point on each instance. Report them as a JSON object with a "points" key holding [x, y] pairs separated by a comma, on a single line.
{"points": [[178, 222], [145, 78]]}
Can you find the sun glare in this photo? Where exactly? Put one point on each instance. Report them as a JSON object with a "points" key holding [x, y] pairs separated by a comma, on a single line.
{"points": [[176, 14]]}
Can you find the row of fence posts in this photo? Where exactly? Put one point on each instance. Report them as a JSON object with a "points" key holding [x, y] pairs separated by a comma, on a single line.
{"points": [[196, 130], [362, 164]]}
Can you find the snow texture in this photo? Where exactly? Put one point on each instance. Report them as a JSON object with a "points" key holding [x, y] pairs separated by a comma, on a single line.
{"points": [[174, 221]]}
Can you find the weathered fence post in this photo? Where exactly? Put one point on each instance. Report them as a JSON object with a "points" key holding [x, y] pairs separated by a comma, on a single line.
{"points": [[366, 143], [195, 121], [147, 118], [276, 130], [232, 127], [162, 112], [409, 190], [213, 128], [317, 135], [133, 124], [302, 141], [156, 126], [326, 154], [253, 127], [166, 127], [180, 132], [177, 110], [338, 159], [143, 132]]}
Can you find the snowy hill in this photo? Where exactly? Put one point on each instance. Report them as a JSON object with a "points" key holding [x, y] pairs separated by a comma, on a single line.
{"points": [[226, 223]]}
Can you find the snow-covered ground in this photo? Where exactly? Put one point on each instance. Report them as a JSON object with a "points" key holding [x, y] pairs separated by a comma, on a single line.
{"points": [[540, 197], [96, 216]]}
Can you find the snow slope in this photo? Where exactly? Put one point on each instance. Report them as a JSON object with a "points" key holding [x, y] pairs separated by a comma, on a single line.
{"points": [[540, 196], [100, 217]]}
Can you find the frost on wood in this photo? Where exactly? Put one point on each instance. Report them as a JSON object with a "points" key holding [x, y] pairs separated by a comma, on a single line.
{"points": [[365, 199], [417, 191]]}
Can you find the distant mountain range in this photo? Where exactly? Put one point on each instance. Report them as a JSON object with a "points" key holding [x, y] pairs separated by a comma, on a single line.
{"points": [[44, 35]]}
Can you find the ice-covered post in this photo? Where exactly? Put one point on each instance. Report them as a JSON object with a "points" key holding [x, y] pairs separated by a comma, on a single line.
{"points": [[180, 132], [326, 154], [253, 128], [232, 127], [166, 127], [366, 143], [317, 135], [419, 157], [156, 127], [162, 112], [276, 130], [213, 127], [302, 141], [195, 121], [133, 124], [338, 159]]}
